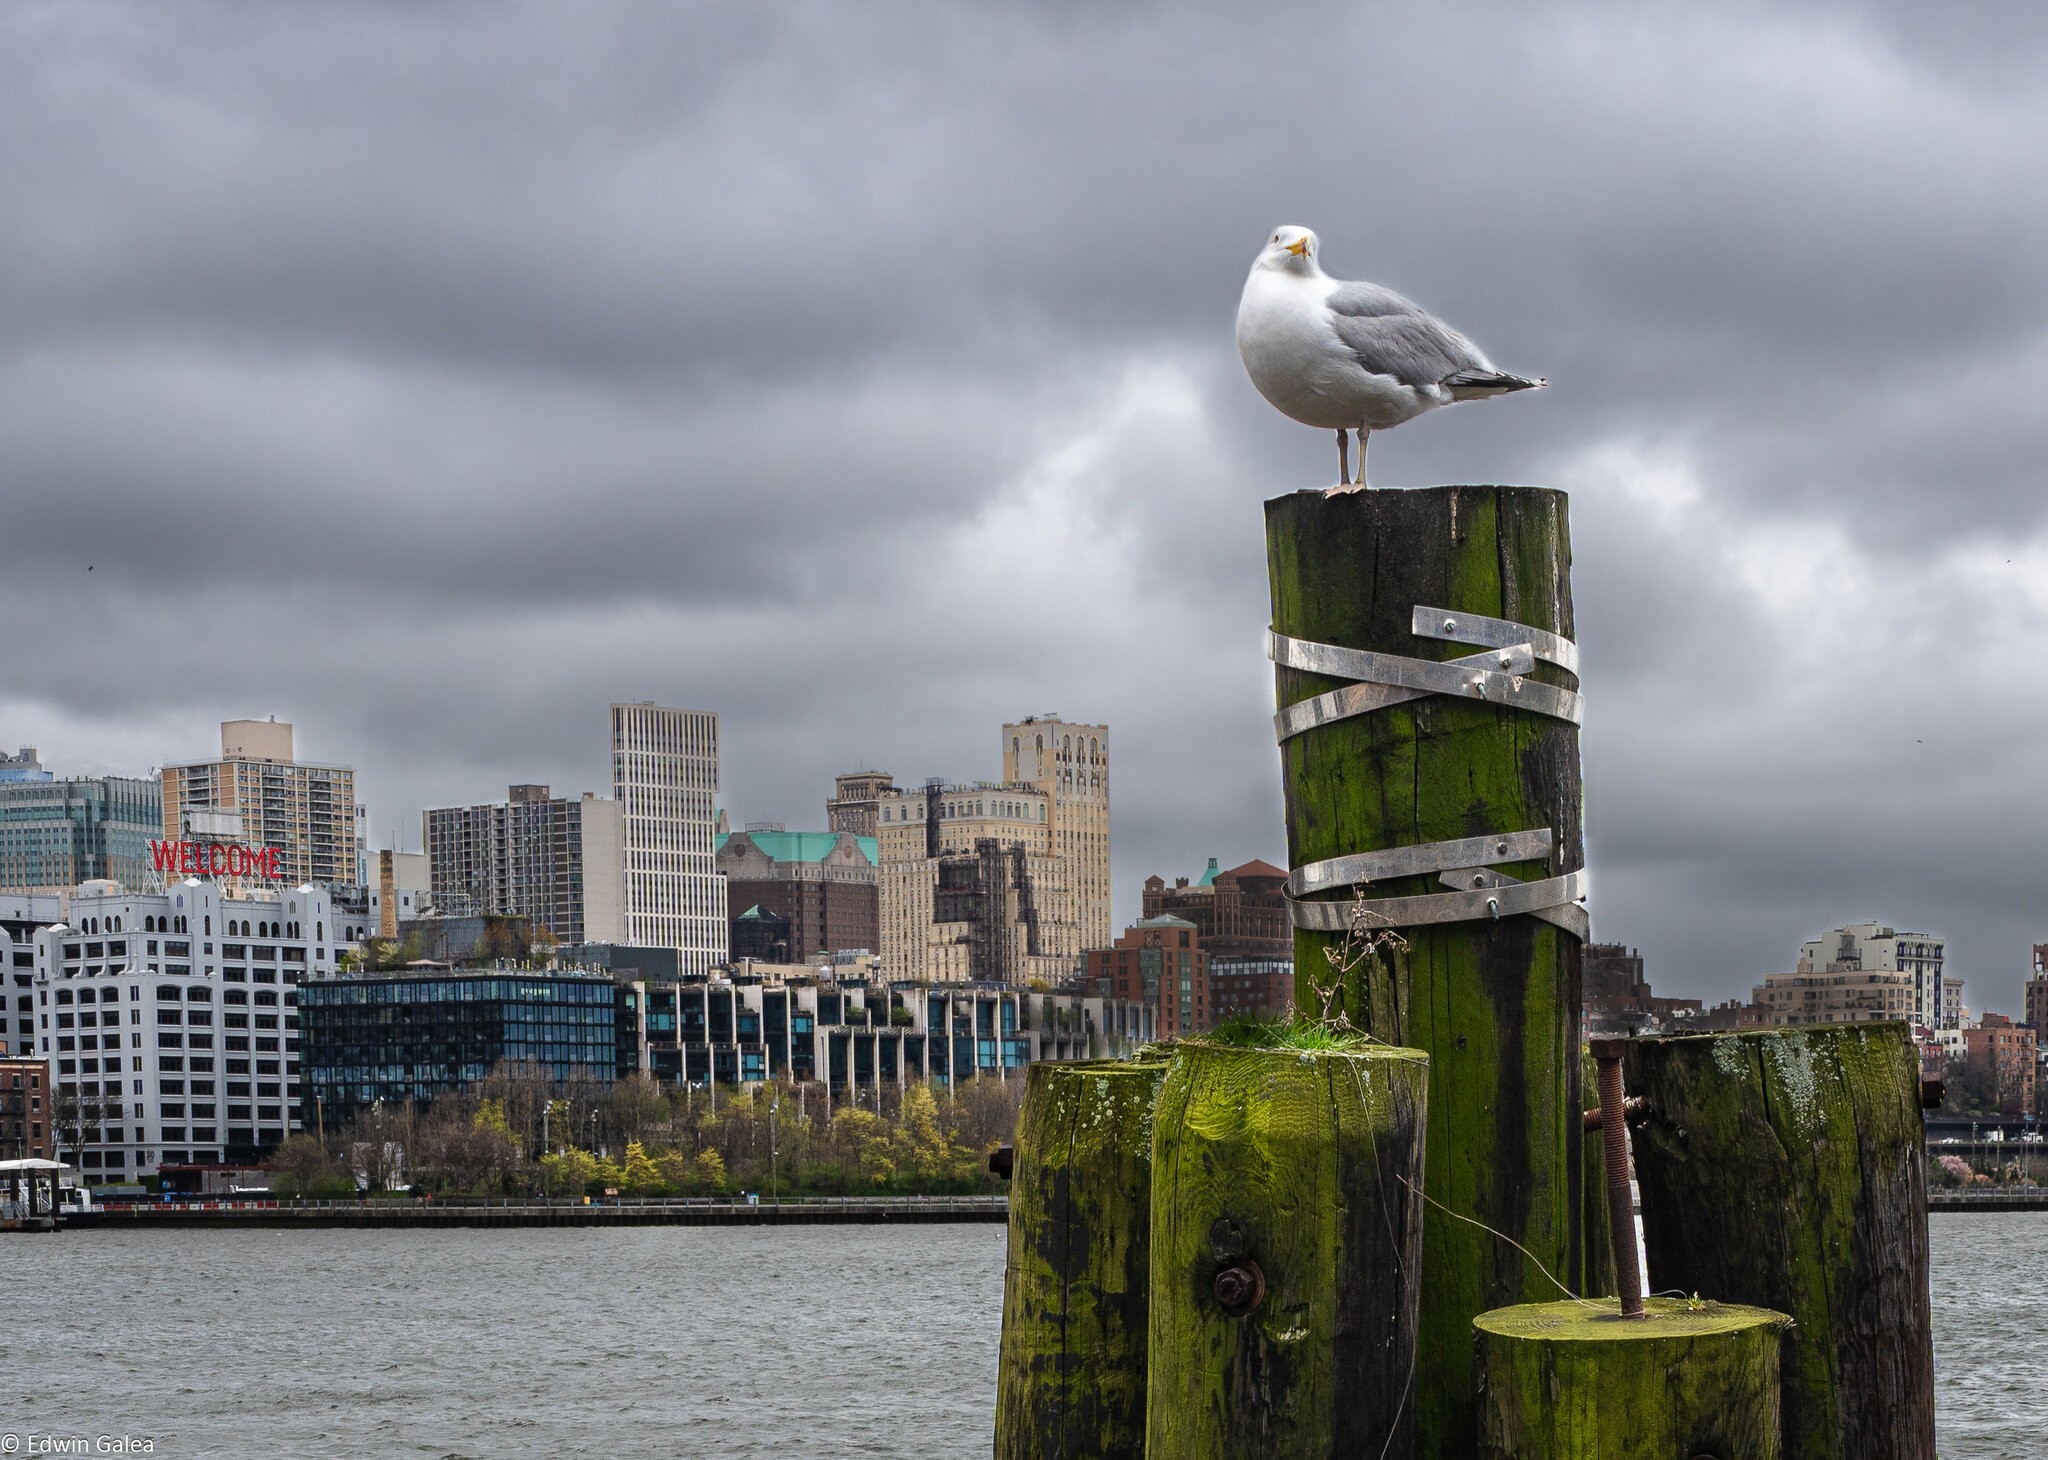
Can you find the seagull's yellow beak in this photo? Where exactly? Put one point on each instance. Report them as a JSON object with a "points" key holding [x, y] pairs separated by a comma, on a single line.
{"points": [[1299, 248]]}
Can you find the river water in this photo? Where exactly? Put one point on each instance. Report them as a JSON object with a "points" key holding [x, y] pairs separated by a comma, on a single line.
{"points": [[664, 1341]]}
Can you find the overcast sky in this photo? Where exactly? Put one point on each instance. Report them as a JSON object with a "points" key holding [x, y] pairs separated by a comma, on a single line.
{"points": [[430, 376]]}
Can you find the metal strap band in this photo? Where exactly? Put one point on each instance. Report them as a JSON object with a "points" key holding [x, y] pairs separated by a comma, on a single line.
{"points": [[1388, 679], [1467, 852], [1554, 899], [1498, 633]]}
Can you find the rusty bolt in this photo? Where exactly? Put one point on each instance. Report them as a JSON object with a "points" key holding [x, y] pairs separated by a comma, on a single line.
{"points": [[1240, 1287], [1003, 1160]]}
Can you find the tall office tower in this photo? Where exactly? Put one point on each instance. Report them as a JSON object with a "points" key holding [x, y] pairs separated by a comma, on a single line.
{"points": [[1070, 763], [665, 779], [56, 834], [257, 793], [553, 860]]}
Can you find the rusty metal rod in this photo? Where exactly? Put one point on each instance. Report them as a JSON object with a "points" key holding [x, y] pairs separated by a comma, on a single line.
{"points": [[1621, 1217]]}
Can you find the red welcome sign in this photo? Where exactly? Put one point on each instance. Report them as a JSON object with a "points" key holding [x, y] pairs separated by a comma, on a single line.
{"points": [[216, 859]]}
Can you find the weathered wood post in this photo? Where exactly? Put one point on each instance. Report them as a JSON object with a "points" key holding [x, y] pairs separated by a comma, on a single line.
{"points": [[1787, 1168], [1577, 1381], [1286, 1245], [1071, 1379], [1628, 1376], [1429, 747]]}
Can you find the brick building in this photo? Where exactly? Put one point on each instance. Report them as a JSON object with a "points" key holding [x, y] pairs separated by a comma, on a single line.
{"points": [[2037, 997], [1614, 994], [1241, 913], [1158, 962], [2010, 1049], [27, 1127], [823, 883]]}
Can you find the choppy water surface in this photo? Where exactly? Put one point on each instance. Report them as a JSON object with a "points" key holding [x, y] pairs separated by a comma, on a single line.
{"points": [[1991, 1334], [675, 1341]]}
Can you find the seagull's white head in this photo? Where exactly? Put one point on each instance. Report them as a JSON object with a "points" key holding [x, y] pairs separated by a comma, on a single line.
{"points": [[1293, 249]]}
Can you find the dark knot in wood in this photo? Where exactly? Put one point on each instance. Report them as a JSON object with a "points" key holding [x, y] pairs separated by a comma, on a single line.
{"points": [[1240, 1287], [1003, 1160]]}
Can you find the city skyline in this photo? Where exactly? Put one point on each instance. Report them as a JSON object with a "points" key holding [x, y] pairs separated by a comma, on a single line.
{"points": [[483, 396]]}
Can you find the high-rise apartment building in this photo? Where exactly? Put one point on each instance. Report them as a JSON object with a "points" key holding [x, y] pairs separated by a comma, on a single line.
{"points": [[553, 860], [1070, 764], [259, 794], [665, 780], [1877, 948], [56, 834]]}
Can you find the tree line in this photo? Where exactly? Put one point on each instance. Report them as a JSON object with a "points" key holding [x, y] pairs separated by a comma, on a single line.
{"points": [[520, 1133]]}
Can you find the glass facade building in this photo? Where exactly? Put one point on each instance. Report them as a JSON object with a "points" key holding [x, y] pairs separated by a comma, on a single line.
{"points": [[417, 1036], [57, 834]]}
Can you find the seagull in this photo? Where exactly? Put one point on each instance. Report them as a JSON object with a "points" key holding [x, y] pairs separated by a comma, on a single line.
{"points": [[1351, 356]]}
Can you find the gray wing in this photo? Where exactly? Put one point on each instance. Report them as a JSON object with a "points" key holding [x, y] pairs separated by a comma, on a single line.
{"points": [[1391, 335]]}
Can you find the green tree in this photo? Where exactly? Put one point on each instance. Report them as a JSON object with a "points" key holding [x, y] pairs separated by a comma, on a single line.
{"points": [[708, 1172], [640, 1176]]}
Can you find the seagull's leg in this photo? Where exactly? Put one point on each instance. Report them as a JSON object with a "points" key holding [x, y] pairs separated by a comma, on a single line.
{"points": [[1343, 457], [1362, 434]]}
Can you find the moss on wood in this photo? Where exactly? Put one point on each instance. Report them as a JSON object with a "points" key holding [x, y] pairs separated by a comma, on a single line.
{"points": [[1787, 1168], [1494, 1004], [1071, 1378], [1576, 1381], [1306, 1164]]}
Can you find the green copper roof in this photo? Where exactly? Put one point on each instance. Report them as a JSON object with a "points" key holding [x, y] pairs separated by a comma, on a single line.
{"points": [[1209, 877], [800, 846]]}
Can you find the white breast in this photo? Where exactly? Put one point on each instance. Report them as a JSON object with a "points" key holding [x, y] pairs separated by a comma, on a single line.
{"points": [[1298, 363]]}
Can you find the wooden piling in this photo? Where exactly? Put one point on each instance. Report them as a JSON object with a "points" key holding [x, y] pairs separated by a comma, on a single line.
{"points": [[1787, 1168], [1286, 1236], [1495, 1003], [1577, 1381], [1070, 1382]]}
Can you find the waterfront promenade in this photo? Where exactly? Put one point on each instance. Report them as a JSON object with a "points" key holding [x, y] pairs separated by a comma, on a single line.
{"points": [[693, 1211], [549, 1212]]}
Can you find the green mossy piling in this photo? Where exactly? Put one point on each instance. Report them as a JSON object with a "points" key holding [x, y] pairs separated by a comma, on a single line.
{"points": [[1071, 1379], [1787, 1168], [1575, 1381], [1495, 1004], [1286, 1237]]}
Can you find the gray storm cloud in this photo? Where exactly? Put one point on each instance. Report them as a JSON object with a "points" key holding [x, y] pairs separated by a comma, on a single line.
{"points": [[431, 377]]}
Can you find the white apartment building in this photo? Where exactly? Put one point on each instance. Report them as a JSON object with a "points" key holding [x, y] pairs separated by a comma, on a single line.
{"points": [[170, 1020], [665, 781], [257, 793], [1878, 948]]}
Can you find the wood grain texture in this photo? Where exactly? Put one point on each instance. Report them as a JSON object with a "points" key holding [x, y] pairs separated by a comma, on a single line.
{"points": [[1070, 1382], [1494, 1004], [1309, 1165], [1787, 1168], [1575, 1381]]}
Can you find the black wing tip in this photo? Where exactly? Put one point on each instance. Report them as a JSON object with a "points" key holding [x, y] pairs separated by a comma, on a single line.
{"points": [[1496, 380]]}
